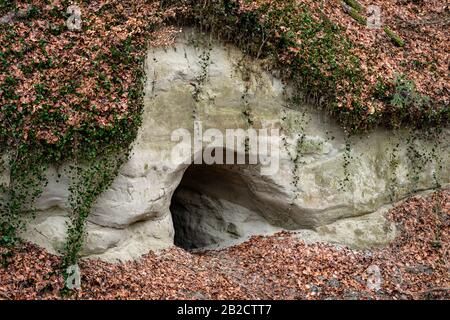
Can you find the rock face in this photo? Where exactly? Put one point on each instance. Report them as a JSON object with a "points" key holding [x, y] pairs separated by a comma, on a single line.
{"points": [[155, 200]]}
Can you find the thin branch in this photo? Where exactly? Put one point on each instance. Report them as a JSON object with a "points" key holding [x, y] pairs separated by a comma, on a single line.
{"points": [[5, 296], [422, 22], [435, 289]]}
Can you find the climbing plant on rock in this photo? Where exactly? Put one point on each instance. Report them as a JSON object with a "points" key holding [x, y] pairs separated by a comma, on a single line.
{"points": [[67, 97]]}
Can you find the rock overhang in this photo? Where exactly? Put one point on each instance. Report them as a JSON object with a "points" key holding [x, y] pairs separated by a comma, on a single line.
{"points": [[133, 215]]}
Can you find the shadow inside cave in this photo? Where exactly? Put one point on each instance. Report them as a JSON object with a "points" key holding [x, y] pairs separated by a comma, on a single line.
{"points": [[217, 206]]}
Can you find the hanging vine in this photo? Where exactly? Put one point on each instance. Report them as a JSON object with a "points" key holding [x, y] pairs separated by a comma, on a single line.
{"points": [[345, 183]]}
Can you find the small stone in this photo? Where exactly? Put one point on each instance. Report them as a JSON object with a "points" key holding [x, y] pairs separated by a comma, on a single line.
{"points": [[420, 269], [335, 283]]}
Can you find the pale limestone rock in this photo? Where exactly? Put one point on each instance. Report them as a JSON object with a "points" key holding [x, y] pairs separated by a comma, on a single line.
{"points": [[370, 230], [229, 205]]}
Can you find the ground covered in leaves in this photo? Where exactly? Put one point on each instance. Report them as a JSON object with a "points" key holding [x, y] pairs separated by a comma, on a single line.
{"points": [[414, 266]]}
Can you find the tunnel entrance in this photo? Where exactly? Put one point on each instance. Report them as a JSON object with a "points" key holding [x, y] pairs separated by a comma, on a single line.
{"points": [[217, 205]]}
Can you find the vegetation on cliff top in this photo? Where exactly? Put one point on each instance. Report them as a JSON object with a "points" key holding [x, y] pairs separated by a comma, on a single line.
{"points": [[75, 92]]}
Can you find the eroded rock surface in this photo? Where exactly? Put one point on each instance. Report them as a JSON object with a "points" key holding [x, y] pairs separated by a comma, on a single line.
{"points": [[216, 205]]}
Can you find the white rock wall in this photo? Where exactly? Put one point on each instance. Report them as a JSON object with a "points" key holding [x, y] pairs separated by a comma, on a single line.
{"points": [[133, 216]]}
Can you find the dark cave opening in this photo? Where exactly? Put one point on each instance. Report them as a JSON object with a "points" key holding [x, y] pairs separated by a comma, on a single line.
{"points": [[216, 205]]}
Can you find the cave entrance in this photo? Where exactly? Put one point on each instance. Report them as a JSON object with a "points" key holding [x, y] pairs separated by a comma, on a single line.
{"points": [[217, 205]]}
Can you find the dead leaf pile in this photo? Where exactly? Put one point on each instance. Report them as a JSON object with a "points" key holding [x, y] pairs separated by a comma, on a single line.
{"points": [[414, 266]]}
